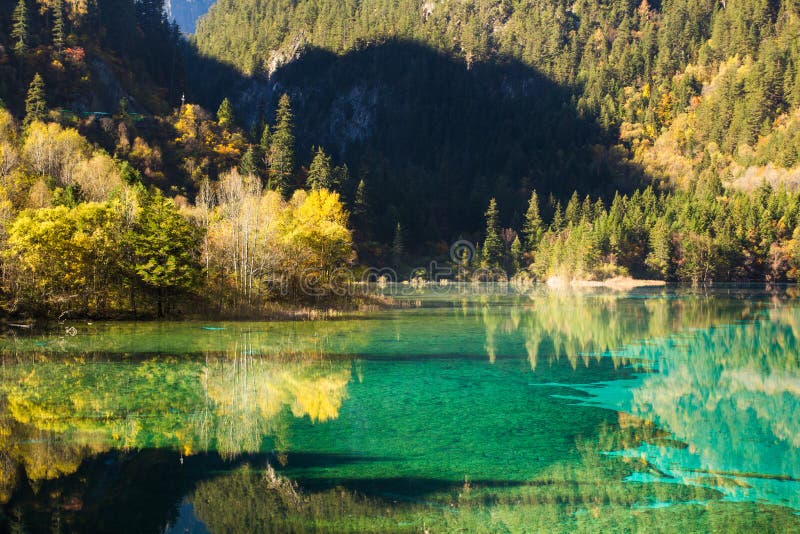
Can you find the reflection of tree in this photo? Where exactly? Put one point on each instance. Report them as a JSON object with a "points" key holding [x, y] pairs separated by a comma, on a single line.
{"points": [[289, 338], [54, 414], [246, 501], [249, 395], [728, 396], [588, 326], [584, 494], [732, 393]]}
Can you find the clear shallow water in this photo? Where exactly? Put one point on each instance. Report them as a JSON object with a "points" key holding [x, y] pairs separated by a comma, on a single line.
{"points": [[649, 410]]}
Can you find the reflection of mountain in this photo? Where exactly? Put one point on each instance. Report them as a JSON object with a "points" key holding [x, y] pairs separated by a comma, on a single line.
{"points": [[731, 393], [712, 409], [55, 414]]}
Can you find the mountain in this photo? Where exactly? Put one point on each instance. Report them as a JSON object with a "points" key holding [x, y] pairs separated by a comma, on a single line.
{"points": [[675, 90], [186, 12]]}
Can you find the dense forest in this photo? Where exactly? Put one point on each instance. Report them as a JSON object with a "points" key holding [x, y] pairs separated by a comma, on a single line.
{"points": [[143, 173], [678, 89]]}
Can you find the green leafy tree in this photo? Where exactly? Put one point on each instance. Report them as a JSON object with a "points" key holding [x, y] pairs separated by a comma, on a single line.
{"points": [[320, 173], [697, 258], [20, 31], [225, 114], [493, 244], [164, 248], [35, 102]]}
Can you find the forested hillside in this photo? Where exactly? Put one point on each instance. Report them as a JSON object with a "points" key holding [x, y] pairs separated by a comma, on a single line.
{"points": [[91, 54], [119, 198], [679, 88], [140, 171]]}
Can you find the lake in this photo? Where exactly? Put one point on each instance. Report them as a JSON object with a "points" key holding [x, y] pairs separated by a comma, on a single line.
{"points": [[461, 410]]}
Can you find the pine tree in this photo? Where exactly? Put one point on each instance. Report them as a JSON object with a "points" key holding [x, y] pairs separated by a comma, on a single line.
{"points": [[35, 102], [572, 213], [493, 244], [516, 254], [225, 115], [532, 229], [660, 249], [281, 149], [163, 244], [397, 245], [341, 175], [247, 165], [320, 174], [58, 25], [360, 206], [557, 224], [19, 30], [263, 144]]}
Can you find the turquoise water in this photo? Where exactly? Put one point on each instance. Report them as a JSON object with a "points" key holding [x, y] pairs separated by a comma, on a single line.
{"points": [[658, 409]]}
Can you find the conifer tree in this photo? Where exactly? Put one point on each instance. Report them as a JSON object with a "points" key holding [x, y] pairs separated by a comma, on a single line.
{"points": [[572, 214], [493, 244], [558, 219], [19, 30], [516, 254], [660, 249], [281, 147], [247, 165], [341, 175], [320, 173], [532, 228], [360, 206], [397, 245], [58, 25], [225, 115], [263, 144], [35, 102], [164, 244]]}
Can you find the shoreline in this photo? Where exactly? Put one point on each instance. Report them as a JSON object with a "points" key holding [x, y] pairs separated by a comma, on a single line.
{"points": [[620, 283]]}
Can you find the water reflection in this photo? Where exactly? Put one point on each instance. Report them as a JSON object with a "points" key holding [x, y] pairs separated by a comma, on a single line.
{"points": [[459, 415], [56, 413], [585, 327], [729, 396]]}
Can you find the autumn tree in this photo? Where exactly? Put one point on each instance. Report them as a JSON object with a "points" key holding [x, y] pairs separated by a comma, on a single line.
{"points": [[225, 114], [67, 257]]}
